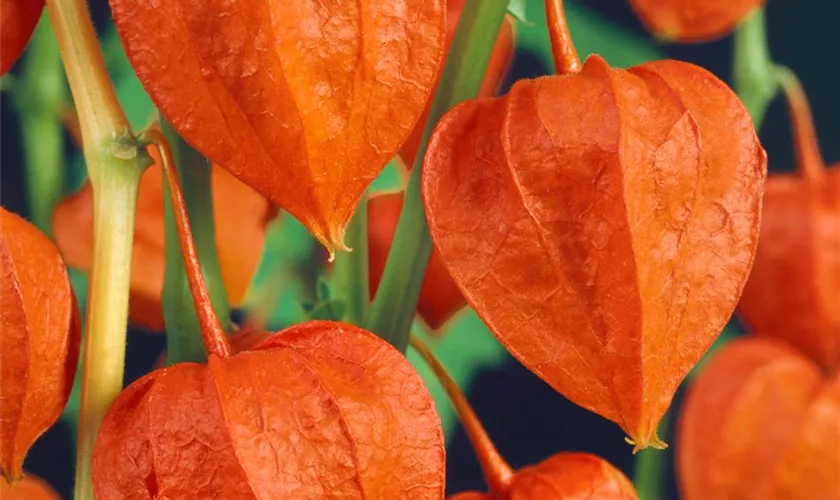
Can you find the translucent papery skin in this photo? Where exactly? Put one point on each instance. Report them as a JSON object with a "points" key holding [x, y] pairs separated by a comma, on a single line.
{"points": [[760, 422], [565, 476], [606, 255], [320, 410]]}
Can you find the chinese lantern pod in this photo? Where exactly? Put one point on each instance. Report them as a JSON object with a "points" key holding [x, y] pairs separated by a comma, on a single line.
{"points": [[319, 409], [28, 488], [304, 101], [18, 19], [39, 339], [793, 293], [564, 476], [500, 60], [606, 256], [241, 216], [439, 298], [760, 422], [693, 20]]}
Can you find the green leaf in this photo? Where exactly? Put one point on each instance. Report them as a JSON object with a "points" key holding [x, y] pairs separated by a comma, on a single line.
{"points": [[519, 10]]}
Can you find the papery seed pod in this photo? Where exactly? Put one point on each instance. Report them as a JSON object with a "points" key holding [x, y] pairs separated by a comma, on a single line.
{"points": [[439, 298], [693, 20], [39, 339], [602, 223], [241, 216], [321, 409], [793, 293], [28, 488], [497, 69], [760, 422], [18, 19], [304, 101], [564, 476]]}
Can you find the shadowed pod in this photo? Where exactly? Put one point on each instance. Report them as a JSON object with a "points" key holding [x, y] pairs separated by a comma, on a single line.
{"points": [[693, 20], [39, 339], [18, 19]]}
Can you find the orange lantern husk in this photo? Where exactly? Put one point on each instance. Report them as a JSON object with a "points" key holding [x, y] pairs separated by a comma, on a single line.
{"points": [[28, 488], [693, 20], [39, 339], [18, 19], [760, 422], [793, 293], [601, 222]]}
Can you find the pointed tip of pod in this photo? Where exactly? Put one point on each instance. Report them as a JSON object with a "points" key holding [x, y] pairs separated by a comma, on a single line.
{"points": [[651, 442]]}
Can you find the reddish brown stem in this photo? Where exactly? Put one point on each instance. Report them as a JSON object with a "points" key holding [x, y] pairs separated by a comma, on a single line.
{"points": [[215, 339], [497, 472], [808, 156], [566, 60]]}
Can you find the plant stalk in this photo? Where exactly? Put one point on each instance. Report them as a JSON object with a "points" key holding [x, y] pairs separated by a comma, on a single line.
{"points": [[497, 472], [351, 276], [649, 465], [393, 308], [809, 159], [40, 95], [183, 332], [566, 60], [215, 340], [754, 73]]}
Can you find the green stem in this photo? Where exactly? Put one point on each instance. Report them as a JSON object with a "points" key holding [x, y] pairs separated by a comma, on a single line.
{"points": [[115, 198], [392, 312], [183, 335], [351, 280], [754, 73], [650, 464], [39, 96]]}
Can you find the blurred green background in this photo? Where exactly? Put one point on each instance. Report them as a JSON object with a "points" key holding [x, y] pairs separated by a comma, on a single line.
{"points": [[526, 418]]}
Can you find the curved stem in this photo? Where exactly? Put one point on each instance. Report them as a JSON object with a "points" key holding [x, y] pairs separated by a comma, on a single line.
{"points": [[566, 60], [392, 311], [183, 333], [808, 156], [497, 472], [215, 340], [754, 78]]}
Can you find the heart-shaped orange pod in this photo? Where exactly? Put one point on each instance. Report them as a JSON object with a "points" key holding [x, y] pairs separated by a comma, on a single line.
{"points": [[793, 292], [39, 339], [322, 409], [602, 223], [304, 101], [18, 19], [440, 297], [564, 476], [28, 488], [497, 68], [693, 20], [760, 422], [240, 216]]}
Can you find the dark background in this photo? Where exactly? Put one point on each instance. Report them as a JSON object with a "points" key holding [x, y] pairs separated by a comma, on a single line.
{"points": [[527, 419]]}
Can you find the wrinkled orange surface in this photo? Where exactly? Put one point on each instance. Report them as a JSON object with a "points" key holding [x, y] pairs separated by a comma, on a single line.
{"points": [[320, 410], [440, 298], [17, 22], [564, 476], [693, 20], [304, 101], [39, 339], [241, 216], [606, 255], [760, 422], [498, 66], [28, 488]]}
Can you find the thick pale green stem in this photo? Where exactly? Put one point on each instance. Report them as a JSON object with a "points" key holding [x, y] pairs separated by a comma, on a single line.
{"points": [[754, 74], [115, 161], [392, 312], [351, 279], [650, 464], [183, 335], [115, 197], [39, 96]]}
